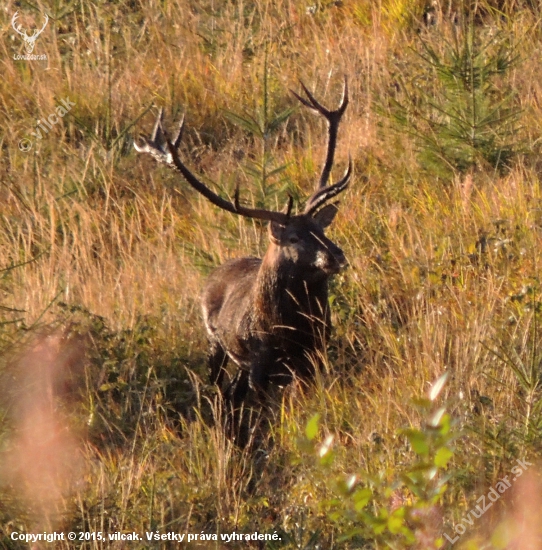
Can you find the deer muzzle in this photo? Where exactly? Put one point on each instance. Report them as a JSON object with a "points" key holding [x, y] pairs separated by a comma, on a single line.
{"points": [[331, 262]]}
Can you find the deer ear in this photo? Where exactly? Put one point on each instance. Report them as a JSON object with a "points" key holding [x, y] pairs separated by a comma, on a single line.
{"points": [[275, 230], [326, 215]]}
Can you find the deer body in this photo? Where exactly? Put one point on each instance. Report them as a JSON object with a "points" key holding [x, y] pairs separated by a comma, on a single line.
{"points": [[270, 316]]}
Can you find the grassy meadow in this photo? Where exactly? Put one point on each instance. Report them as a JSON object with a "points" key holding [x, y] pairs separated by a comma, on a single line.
{"points": [[106, 414]]}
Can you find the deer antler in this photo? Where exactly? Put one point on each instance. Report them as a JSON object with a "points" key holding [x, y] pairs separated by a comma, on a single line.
{"points": [[333, 118], [23, 33], [18, 28], [43, 28], [166, 151], [324, 193], [321, 196]]}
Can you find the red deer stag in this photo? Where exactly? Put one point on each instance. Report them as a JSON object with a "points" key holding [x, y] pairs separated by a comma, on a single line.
{"points": [[271, 315]]}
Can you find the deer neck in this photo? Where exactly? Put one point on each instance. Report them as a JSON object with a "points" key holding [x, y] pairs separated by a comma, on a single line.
{"points": [[282, 294]]}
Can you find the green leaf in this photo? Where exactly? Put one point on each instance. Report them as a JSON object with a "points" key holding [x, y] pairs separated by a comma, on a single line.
{"points": [[442, 457], [396, 521], [422, 402], [277, 170], [418, 441], [280, 118], [311, 430], [361, 498], [247, 123]]}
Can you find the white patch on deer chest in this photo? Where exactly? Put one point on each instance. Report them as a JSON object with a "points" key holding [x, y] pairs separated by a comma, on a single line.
{"points": [[321, 259]]}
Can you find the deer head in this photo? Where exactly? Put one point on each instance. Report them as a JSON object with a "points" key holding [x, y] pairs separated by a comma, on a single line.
{"points": [[29, 41], [298, 239]]}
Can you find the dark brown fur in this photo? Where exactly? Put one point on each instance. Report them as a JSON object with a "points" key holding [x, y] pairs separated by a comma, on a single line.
{"points": [[271, 316]]}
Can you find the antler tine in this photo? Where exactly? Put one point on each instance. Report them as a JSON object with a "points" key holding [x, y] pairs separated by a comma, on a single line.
{"points": [[179, 136], [315, 105], [45, 24], [18, 27], [305, 102], [164, 150], [157, 130], [333, 119], [321, 196], [289, 205], [155, 145]]}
